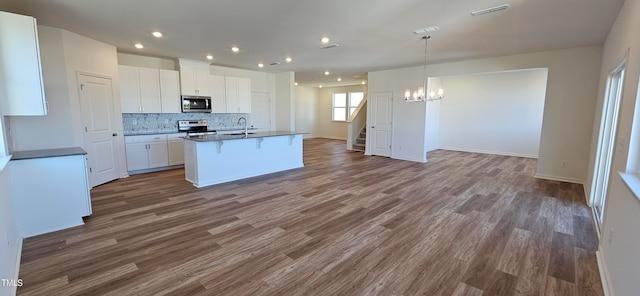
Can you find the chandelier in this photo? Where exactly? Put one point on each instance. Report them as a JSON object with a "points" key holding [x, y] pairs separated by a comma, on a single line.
{"points": [[420, 95]]}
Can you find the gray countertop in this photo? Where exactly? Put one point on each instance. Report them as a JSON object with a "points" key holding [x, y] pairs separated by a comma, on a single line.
{"points": [[57, 152], [211, 138]]}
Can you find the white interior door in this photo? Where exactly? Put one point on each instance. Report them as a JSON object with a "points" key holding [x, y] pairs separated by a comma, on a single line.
{"points": [[606, 140], [380, 129], [261, 111], [98, 118]]}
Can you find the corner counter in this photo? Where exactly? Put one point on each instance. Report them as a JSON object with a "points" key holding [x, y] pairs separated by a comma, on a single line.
{"points": [[216, 159], [50, 189]]}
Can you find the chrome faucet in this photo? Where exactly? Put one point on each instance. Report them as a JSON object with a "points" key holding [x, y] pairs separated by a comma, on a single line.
{"points": [[246, 131]]}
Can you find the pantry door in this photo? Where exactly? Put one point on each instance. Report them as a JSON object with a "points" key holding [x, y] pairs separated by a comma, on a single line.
{"points": [[100, 133]]}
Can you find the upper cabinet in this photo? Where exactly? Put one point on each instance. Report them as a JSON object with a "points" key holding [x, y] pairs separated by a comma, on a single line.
{"points": [[21, 86], [139, 90], [217, 87], [170, 91], [238, 94], [194, 78], [145, 90]]}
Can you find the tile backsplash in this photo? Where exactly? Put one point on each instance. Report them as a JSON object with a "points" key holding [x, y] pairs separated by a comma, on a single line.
{"points": [[157, 123]]}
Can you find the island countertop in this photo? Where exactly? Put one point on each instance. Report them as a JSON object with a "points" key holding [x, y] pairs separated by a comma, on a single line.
{"points": [[210, 138]]}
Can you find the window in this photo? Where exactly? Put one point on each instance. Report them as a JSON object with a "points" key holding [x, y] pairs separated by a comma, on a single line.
{"points": [[339, 106], [345, 102], [354, 100]]}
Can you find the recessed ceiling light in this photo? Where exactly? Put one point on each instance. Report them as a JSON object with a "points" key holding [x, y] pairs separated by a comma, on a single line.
{"points": [[339, 79], [156, 34], [235, 49], [260, 65], [320, 86], [209, 57], [324, 40], [288, 59], [490, 10], [326, 73], [295, 83], [363, 83], [138, 46]]}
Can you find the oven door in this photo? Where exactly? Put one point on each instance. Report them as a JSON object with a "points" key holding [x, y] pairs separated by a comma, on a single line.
{"points": [[196, 104]]}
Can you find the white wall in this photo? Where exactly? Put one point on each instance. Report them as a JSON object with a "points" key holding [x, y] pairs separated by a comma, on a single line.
{"points": [[568, 111], [285, 101], [496, 113], [63, 55], [306, 102], [10, 240], [325, 127], [146, 62], [432, 127], [620, 257]]}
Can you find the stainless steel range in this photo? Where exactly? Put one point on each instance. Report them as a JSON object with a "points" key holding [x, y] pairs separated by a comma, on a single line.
{"points": [[195, 127]]}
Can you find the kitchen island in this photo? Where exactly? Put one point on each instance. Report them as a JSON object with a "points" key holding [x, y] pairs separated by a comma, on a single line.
{"points": [[215, 159]]}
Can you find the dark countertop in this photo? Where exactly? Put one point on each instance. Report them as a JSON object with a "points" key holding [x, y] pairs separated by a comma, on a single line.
{"points": [[30, 154], [212, 138]]}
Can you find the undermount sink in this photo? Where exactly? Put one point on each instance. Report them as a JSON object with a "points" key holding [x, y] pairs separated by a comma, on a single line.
{"points": [[240, 134]]}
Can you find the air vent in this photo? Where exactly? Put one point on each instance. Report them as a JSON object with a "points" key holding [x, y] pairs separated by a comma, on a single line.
{"points": [[330, 46], [274, 64], [490, 10], [426, 30]]}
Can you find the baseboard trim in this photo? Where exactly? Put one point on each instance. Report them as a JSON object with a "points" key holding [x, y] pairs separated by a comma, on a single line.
{"points": [[489, 152], [559, 178], [604, 274], [332, 138], [408, 159]]}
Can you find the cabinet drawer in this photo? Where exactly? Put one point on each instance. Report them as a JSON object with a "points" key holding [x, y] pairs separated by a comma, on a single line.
{"points": [[145, 138]]}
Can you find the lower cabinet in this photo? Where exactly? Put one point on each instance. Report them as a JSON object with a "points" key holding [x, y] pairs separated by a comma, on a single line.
{"points": [[51, 193], [175, 142], [154, 151], [146, 152]]}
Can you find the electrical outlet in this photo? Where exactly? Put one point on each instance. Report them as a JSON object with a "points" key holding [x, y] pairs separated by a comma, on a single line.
{"points": [[166, 121], [610, 236], [564, 163]]}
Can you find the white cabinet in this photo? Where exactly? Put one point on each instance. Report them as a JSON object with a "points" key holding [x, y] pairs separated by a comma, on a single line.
{"points": [[146, 152], [170, 91], [238, 94], [58, 199], [21, 87], [194, 78], [217, 87], [139, 90], [175, 142]]}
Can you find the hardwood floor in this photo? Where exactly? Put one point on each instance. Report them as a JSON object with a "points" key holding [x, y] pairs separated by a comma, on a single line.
{"points": [[346, 224]]}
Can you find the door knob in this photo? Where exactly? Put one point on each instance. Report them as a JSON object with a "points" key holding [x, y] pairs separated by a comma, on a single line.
{"points": [[373, 127], [115, 134]]}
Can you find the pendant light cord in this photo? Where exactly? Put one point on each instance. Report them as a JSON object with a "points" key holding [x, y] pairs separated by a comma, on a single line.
{"points": [[424, 73]]}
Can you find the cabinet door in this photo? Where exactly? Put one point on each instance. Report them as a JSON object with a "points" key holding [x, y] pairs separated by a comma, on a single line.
{"points": [[202, 74], [176, 152], [169, 91], [231, 94], [188, 79], [129, 89], [149, 90], [244, 95], [158, 154], [217, 88], [137, 158], [22, 90]]}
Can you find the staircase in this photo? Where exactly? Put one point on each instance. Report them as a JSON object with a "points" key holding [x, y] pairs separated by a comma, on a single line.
{"points": [[360, 140]]}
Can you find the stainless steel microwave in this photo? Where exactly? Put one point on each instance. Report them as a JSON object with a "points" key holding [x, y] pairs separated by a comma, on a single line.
{"points": [[193, 104]]}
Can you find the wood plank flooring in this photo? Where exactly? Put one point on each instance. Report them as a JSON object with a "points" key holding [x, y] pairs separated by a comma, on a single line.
{"points": [[345, 224]]}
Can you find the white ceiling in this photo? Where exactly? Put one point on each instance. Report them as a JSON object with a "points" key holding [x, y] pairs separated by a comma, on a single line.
{"points": [[373, 34]]}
